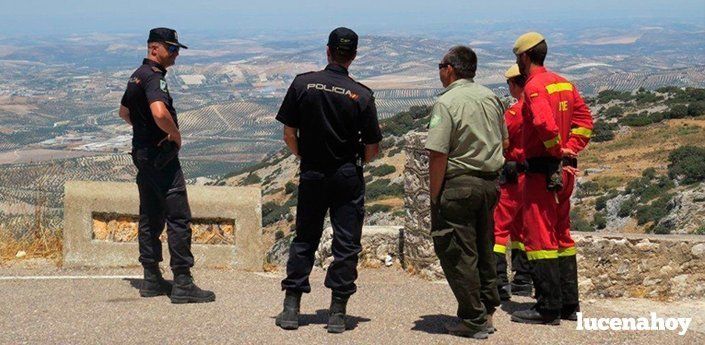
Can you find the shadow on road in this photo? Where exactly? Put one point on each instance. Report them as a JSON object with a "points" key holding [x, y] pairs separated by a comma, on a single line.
{"points": [[135, 283], [433, 324], [321, 318]]}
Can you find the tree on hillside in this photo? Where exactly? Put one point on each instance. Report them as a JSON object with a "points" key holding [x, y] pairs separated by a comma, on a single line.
{"points": [[687, 163]]}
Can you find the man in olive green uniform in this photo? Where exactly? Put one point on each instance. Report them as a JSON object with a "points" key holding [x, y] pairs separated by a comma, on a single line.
{"points": [[465, 141]]}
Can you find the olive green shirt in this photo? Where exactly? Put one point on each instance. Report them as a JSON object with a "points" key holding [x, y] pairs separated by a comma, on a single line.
{"points": [[467, 124]]}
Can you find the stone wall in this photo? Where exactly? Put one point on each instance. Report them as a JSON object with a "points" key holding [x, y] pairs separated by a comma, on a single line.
{"points": [[610, 265]]}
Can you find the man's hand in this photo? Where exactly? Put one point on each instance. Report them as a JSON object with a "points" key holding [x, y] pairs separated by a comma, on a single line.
{"points": [[569, 153], [125, 114], [437, 170], [175, 137], [163, 119], [291, 138]]}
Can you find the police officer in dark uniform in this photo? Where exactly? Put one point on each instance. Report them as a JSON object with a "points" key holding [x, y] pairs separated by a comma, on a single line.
{"points": [[147, 106], [330, 123]]}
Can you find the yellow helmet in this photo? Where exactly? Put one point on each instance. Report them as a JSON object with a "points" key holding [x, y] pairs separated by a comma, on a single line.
{"points": [[512, 72], [527, 41]]}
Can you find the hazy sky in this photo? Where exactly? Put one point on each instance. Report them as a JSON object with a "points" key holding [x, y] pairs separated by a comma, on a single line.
{"points": [[42, 17]]}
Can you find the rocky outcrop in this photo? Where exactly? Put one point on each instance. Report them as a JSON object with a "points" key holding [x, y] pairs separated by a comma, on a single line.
{"points": [[687, 211]]}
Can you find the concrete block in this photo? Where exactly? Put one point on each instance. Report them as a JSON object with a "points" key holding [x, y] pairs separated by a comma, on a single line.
{"points": [[86, 200]]}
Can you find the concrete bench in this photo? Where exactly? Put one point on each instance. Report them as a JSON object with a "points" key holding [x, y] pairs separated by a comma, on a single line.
{"points": [[100, 226]]}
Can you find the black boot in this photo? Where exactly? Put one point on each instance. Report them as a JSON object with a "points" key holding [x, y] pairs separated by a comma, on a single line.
{"points": [[534, 316], [289, 317], [154, 284], [336, 317], [186, 291], [503, 286]]}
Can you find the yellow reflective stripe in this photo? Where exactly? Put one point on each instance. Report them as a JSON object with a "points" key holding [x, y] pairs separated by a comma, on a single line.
{"points": [[518, 245], [553, 142], [566, 251], [542, 254], [558, 87], [582, 131], [498, 248]]}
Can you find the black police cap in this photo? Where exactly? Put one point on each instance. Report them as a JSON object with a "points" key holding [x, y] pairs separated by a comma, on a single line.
{"points": [[343, 39], [165, 35]]}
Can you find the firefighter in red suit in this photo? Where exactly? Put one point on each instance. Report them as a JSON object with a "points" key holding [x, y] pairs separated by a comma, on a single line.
{"points": [[557, 125], [507, 216]]}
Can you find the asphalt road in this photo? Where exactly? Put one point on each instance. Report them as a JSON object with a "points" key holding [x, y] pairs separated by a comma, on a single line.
{"points": [[390, 308]]}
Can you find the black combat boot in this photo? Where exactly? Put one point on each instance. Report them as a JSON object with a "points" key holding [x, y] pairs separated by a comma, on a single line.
{"points": [[289, 317], [186, 291], [336, 317], [534, 316], [503, 286], [154, 284]]}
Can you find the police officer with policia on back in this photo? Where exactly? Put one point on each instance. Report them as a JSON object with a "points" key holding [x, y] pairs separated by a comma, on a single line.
{"points": [[147, 106], [466, 136], [330, 123]]}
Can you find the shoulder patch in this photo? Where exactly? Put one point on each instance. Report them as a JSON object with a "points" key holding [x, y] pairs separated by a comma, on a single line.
{"points": [[163, 86]]}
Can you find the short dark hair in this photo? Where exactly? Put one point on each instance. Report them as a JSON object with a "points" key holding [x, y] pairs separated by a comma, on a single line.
{"points": [[537, 54], [342, 56], [463, 60], [519, 80]]}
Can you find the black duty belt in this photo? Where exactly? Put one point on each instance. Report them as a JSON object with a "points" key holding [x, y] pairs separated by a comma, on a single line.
{"points": [[520, 166], [542, 165], [570, 162]]}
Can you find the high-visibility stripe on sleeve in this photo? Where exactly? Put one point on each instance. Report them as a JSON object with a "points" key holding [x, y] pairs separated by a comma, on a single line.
{"points": [[552, 142], [518, 245], [582, 131], [535, 94], [558, 87], [500, 249], [542, 254], [566, 252]]}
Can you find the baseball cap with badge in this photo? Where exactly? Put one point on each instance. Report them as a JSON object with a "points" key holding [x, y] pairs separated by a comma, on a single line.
{"points": [[343, 39], [166, 35]]}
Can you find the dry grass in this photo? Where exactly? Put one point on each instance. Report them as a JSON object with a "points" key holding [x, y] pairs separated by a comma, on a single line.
{"points": [[37, 243]]}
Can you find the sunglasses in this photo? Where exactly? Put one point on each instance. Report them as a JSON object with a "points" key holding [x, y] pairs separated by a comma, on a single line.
{"points": [[443, 65], [173, 49]]}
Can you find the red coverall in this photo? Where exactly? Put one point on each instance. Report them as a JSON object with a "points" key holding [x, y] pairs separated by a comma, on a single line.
{"points": [[554, 117], [507, 215]]}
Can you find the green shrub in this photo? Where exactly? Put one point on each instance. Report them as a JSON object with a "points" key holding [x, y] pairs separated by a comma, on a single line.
{"points": [[678, 111], [700, 230], [252, 178], [625, 210], [603, 131], [413, 119], [660, 229], [609, 95], [601, 202], [378, 208], [696, 108], [290, 187], [578, 223], [383, 188], [588, 188], [599, 221], [394, 151], [614, 111], [655, 211], [382, 170], [272, 213], [688, 163], [641, 119]]}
